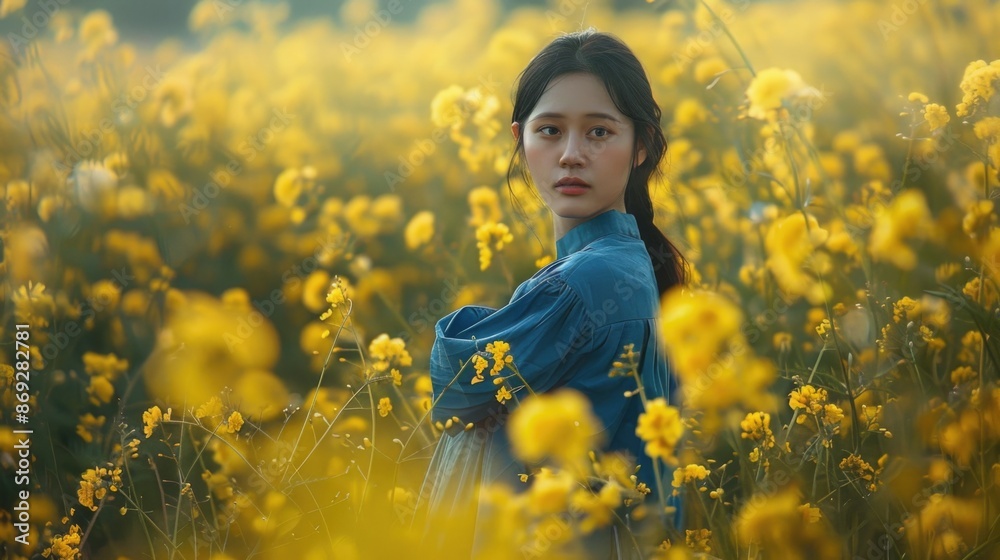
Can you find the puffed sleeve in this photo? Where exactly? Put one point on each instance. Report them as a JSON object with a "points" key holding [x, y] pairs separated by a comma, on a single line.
{"points": [[547, 328]]}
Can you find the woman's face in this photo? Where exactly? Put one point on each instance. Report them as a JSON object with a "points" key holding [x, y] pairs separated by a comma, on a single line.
{"points": [[576, 131]]}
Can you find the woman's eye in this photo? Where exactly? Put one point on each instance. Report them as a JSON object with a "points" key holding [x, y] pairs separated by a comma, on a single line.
{"points": [[542, 129], [606, 132]]}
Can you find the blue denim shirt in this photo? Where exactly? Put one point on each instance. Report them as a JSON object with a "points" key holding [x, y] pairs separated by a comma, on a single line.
{"points": [[566, 325]]}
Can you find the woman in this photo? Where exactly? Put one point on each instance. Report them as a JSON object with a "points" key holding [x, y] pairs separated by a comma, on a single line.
{"points": [[586, 125]]}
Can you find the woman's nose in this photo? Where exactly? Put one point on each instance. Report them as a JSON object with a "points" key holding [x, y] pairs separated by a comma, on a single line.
{"points": [[573, 154]]}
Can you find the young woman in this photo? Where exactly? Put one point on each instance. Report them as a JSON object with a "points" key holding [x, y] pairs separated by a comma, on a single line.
{"points": [[586, 125]]}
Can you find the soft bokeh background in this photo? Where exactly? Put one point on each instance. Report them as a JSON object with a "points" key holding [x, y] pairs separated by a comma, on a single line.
{"points": [[230, 226]]}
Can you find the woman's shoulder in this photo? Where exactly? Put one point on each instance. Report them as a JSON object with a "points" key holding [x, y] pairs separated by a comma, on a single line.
{"points": [[609, 271]]}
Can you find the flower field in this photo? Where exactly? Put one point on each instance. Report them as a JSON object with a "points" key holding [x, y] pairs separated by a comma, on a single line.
{"points": [[223, 256]]}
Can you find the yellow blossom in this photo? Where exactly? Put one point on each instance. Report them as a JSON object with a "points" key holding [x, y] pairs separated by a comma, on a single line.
{"points": [[979, 216], [698, 540], [757, 427], [550, 491], [864, 474], [792, 245], [8, 7], [384, 406], [988, 129], [484, 204], [559, 424], [770, 87], [804, 399], [503, 395], [907, 217], [210, 409], [420, 230], [491, 237], [978, 86], [688, 474], [152, 417], [234, 422], [936, 116], [660, 426], [386, 352], [65, 546]]}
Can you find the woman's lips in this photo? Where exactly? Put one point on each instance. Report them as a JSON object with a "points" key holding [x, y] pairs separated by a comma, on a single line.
{"points": [[572, 190]]}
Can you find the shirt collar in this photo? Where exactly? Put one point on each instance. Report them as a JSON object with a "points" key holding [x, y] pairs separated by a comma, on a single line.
{"points": [[609, 222]]}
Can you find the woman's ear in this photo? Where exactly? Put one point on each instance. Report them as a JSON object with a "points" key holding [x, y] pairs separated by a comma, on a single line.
{"points": [[515, 129], [640, 154]]}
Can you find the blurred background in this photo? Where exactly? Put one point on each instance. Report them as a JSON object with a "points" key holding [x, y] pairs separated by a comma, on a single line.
{"points": [[230, 227]]}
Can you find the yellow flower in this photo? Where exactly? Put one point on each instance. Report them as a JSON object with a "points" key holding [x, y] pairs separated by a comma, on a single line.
{"points": [[791, 245], [777, 526], [597, 509], [96, 483], [550, 491], [109, 365], [809, 399], [559, 424], [503, 395], [936, 116], [660, 426], [420, 230], [757, 427], [857, 467], [978, 218], [212, 408], [66, 546], [8, 7], [388, 352], [906, 308], [489, 237], [699, 540], [89, 426], [499, 350], [688, 474], [339, 291], [292, 183], [484, 205], [988, 129], [151, 418], [234, 422], [384, 406], [695, 327], [770, 87], [96, 32], [100, 390], [907, 217], [946, 525], [479, 363], [962, 374], [978, 86], [32, 305]]}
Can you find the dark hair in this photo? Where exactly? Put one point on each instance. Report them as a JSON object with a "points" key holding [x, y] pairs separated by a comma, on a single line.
{"points": [[611, 61]]}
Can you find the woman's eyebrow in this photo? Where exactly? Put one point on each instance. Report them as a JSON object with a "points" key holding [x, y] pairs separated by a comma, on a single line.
{"points": [[550, 115]]}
